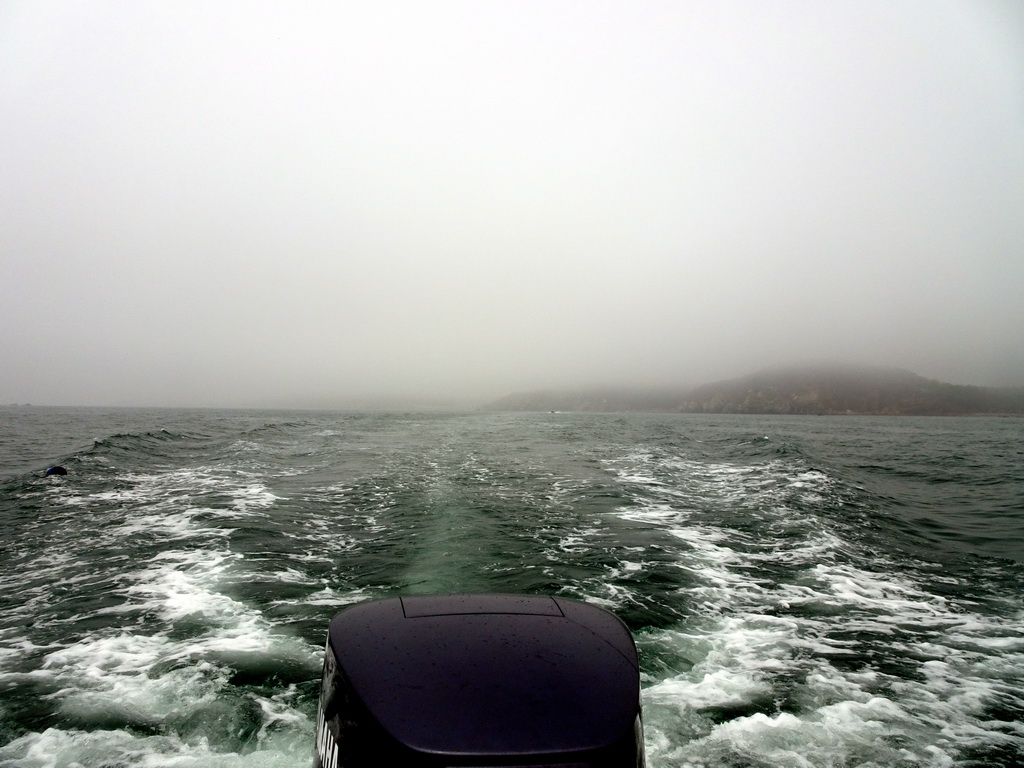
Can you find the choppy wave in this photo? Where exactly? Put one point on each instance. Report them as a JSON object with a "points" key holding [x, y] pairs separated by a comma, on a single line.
{"points": [[797, 600], [805, 646]]}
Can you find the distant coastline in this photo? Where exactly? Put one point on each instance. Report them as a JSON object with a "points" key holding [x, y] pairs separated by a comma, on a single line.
{"points": [[808, 390]]}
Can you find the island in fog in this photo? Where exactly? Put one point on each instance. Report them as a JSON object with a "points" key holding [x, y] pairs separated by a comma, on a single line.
{"points": [[816, 390]]}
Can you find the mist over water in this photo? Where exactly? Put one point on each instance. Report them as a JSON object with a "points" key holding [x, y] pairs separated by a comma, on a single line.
{"points": [[803, 591], [399, 205]]}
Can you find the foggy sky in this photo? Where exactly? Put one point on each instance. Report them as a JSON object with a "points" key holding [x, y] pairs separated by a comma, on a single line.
{"points": [[309, 204]]}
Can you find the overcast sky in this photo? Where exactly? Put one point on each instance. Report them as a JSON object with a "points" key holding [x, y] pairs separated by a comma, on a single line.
{"points": [[281, 203]]}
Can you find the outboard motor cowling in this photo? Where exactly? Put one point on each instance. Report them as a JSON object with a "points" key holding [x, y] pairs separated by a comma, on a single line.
{"points": [[479, 680]]}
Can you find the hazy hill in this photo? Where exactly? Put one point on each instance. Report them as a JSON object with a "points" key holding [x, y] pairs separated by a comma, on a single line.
{"points": [[805, 390]]}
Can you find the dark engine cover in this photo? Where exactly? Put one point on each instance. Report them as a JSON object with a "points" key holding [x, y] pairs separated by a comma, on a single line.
{"points": [[514, 680]]}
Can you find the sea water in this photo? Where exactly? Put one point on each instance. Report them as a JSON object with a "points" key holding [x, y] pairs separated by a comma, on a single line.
{"points": [[812, 591]]}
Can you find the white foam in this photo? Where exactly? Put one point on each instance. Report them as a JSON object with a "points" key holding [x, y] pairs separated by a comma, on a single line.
{"points": [[750, 650], [822, 738], [172, 493], [178, 584], [255, 496], [56, 748], [328, 596], [578, 541], [137, 677], [288, 576], [721, 688], [166, 679]]}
